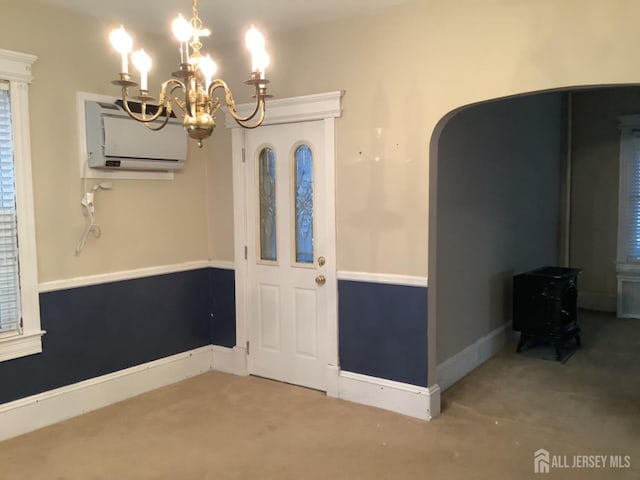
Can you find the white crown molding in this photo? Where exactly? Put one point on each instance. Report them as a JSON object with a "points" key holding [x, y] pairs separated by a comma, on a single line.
{"points": [[16, 66], [37, 411], [89, 280], [294, 109], [386, 278]]}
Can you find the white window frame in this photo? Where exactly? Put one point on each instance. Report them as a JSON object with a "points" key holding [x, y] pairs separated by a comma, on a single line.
{"points": [[16, 69]]}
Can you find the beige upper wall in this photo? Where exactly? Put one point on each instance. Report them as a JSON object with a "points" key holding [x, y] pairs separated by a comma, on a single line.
{"points": [[144, 223], [220, 194], [405, 69], [402, 71]]}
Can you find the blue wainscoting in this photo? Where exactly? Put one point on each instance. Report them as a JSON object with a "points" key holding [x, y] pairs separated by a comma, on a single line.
{"points": [[223, 325], [383, 330], [99, 329]]}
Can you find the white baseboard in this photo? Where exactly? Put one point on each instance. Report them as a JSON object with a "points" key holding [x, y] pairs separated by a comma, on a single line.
{"points": [[230, 360], [240, 361], [411, 400], [44, 409], [223, 360], [456, 367], [37, 411], [333, 381], [601, 302]]}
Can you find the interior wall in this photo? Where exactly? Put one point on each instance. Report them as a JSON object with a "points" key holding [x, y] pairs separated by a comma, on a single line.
{"points": [[144, 223], [219, 186], [394, 98], [100, 329], [403, 70], [595, 179], [498, 211]]}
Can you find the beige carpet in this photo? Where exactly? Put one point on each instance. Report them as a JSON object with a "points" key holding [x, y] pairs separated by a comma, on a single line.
{"points": [[219, 426]]}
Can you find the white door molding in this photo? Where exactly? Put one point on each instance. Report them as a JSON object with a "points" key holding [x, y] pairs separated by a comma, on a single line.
{"points": [[294, 109], [326, 107]]}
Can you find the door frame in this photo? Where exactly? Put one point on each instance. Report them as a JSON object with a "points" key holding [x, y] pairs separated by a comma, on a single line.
{"points": [[326, 107]]}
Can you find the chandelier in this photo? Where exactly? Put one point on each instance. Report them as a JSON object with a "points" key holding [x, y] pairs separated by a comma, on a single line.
{"points": [[193, 81]]}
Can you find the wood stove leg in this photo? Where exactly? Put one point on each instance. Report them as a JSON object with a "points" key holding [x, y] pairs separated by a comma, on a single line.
{"points": [[521, 342], [556, 346]]}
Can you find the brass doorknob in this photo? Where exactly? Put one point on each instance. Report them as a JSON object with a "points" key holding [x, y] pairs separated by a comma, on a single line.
{"points": [[321, 280]]}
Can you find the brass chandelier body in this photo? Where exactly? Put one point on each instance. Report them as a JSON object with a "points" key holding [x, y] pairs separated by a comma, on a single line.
{"points": [[193, 81]]}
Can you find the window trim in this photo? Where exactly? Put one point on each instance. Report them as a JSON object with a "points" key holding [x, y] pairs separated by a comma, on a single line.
{"points": [[15, 68]]}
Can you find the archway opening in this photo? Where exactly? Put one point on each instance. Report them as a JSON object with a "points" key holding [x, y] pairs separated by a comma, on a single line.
{"points": [[515, 184]]}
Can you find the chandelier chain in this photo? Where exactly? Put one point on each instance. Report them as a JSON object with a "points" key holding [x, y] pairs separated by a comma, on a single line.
{"points": [[197, 25]]}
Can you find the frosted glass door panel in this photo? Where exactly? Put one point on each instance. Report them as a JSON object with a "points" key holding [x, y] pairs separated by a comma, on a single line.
{"points": [[267, 195], [304, 204]]}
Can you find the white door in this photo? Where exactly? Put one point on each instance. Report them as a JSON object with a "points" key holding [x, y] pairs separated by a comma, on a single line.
{"points": [[286, 235]]}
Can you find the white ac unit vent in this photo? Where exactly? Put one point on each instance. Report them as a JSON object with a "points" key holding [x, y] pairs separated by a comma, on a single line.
{"points": [[117, 142], [629, 296]]}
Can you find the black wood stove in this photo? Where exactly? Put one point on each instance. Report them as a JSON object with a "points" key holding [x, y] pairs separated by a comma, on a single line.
{"points": [[545, 307]]}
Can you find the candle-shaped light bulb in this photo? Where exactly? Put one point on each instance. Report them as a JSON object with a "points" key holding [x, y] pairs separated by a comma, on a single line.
{"points": [[142, 62], [122, 43], [260, 62], [208, 68], [183, 31], [254, 40], [255, 44]]}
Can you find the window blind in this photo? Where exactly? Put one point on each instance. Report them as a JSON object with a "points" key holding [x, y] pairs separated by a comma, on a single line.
{"points": [[9, 269]]}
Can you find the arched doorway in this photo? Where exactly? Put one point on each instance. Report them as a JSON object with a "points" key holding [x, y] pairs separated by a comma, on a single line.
{"points": [[501, 202]]}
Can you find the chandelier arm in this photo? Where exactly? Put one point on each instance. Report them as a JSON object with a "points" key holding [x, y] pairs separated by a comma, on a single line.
{"points": [[157, 127], [231, 104], [163, 103], [142, 117], [243, 123], [176, 99]]}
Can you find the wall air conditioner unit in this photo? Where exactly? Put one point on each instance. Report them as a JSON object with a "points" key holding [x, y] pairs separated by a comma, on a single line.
{"points": [[115, 141]]}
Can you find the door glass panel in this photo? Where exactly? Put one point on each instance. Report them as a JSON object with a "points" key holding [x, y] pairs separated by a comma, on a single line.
{"points": [[304, 204], [267, 185]]}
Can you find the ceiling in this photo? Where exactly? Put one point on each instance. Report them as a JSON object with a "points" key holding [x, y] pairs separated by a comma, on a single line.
{"points": [[227, 19]]}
